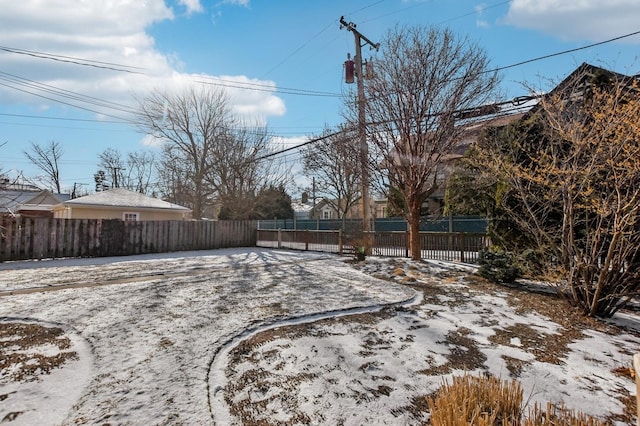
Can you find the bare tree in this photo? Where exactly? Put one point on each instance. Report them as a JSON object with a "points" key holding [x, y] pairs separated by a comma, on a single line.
{"points": [[141, 167], [191, 124], [47, 159], [134, 173], [209, 156], [422, 79], [335, 163], [241, 169], [112, 164]]}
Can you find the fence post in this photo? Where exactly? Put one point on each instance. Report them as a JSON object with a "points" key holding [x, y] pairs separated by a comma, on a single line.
{"points": [[406, 244], [636, 368], [279, 238], [340, 242], [461, 241], [306, 239]]}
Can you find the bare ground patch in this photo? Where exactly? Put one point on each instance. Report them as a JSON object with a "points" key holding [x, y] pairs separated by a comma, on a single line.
{"points": [[21, 357]]}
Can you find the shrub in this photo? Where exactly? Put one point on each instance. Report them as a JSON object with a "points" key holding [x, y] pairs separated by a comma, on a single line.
{"points": [[499, 267]]}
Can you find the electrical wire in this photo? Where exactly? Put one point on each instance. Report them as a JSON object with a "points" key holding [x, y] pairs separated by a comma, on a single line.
{"points": [[77, 61], [564, 52], [260, 87], [47, 88], [62, 102]]}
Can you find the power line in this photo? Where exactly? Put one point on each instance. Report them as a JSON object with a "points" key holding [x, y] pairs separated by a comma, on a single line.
{"points": [[475, 12], [282, 151], [517, 108], [143, 71], [564, 52], [298, 49], [43, 117], [260, 87], [65, 93], [77, 61]]}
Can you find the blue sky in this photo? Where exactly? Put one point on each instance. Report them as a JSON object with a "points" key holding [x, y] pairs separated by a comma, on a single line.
{"points": [[283, 52]]}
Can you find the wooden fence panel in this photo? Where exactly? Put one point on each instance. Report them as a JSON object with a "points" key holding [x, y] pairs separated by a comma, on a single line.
{"points": [[39, 238]]}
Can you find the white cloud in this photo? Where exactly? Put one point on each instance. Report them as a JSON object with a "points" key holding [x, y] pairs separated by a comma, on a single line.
{"points": [[480, 22], [593, 20], [193, 6], [112, 33], [152, 142], [244, 3]]}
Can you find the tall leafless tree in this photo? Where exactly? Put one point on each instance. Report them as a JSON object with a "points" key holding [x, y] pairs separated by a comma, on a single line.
{"points": [[191, 124], [334, 162], [423, 77], [209, 156], [47, 158]]}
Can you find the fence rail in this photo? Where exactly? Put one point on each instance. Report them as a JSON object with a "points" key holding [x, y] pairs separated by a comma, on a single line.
{"points": [[40, 238], [450, 246]]}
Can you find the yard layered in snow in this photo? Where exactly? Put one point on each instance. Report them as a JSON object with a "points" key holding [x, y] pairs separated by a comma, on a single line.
{"points": [[227, 336]]}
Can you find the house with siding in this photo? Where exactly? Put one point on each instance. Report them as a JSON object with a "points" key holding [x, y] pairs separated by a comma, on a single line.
{"points": [[120, 203]]}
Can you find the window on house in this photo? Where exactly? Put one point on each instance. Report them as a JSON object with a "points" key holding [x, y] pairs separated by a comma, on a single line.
{"points": [[326, 214], [130, 216]]}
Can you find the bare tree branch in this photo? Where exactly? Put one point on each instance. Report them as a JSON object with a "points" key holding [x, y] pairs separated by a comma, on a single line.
{"points": [[47, 159]]}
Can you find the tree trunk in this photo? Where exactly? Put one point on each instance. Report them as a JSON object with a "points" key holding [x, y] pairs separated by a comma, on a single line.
{"points": [[196, 212], [414, 232]]}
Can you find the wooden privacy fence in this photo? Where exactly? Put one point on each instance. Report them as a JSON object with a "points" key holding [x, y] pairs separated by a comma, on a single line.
{"points": [[40, 238], [451, 246]]}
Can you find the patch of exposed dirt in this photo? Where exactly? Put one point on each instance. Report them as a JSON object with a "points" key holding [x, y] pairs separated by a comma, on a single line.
{"points": [[29, 350]]}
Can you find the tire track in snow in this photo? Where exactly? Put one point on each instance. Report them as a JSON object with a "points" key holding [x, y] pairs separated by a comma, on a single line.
{"points": [[218, 409]]}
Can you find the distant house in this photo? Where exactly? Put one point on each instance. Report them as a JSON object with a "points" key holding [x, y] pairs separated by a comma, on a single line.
{"points": [[22, 203], [301, 211], [120, 203]]}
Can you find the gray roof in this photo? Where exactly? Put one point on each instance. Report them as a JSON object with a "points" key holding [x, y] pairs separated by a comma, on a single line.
{"points": [[11, 201], [120, 197]]}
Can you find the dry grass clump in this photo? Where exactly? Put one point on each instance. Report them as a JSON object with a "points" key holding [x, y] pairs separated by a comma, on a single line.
{"points": [[485, 401], [559, 417], [479, 401]]}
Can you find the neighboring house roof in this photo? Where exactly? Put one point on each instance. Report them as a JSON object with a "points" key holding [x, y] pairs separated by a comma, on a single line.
{"points": [[13, 201], [300, 207], [120, 197], [583, 76]]}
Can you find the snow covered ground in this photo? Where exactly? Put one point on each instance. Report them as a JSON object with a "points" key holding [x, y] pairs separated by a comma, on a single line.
{"points": [[299, 338]]}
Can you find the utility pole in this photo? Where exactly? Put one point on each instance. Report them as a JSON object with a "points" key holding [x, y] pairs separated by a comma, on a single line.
{"points": [[114, 175], [364, 147], [76, 185]]}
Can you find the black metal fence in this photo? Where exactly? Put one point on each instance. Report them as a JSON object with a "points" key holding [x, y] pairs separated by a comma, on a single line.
{"points": [[450, 246], [474, 224]]}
